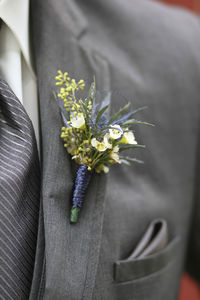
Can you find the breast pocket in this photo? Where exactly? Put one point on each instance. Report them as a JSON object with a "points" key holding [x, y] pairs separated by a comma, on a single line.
{"points": [[137, 268], [152, 253]]}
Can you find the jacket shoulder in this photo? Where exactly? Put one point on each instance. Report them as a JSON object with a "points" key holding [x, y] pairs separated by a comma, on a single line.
{"points": [[167, 22]]}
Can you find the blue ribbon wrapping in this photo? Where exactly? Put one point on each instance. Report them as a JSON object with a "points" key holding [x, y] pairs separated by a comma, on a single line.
{"points": [[82, 180]]}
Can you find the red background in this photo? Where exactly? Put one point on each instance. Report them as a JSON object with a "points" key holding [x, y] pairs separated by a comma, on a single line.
{"points": [[193, 5], [189, 289]]}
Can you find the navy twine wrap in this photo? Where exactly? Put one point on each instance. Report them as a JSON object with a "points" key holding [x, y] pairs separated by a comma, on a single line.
{"points": [[82, 180]]}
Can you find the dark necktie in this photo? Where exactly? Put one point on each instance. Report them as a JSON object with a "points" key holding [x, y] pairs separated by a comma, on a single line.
{"points": [[19, 197]]}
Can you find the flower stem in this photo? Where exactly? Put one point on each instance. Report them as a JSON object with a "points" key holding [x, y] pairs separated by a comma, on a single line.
{"points": [[74, 214]]}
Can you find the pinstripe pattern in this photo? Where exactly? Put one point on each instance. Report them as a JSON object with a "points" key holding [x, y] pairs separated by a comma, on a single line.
{"points": [[19, 197]]}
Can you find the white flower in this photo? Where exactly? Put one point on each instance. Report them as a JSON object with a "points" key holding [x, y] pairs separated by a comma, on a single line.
{"points": [[116, 149], [100, 146], [115, 132], [115, 157], [75, 156], [78, 121], [106, 140], [105, 169], [128, 138], [102, 167], [115, 154]]}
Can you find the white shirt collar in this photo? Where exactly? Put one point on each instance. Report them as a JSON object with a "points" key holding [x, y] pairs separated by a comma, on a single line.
{"points": [[15, 13]]}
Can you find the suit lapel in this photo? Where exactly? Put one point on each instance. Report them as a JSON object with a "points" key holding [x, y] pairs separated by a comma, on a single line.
{"points": [[71, 251]]}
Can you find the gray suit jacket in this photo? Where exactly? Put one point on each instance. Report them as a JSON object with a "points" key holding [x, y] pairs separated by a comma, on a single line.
{"points": [[151, 54]]}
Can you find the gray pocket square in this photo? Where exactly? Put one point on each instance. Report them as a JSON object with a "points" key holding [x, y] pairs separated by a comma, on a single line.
{"points": [[154, 240]]}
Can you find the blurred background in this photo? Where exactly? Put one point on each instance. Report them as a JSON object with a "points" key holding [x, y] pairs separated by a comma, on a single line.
{"points": [[189, 289], [193, 5]]}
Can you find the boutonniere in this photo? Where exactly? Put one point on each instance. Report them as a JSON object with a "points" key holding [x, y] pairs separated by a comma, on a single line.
{"points": [[94, 140]]}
